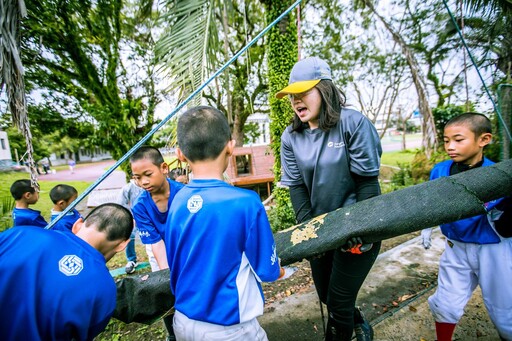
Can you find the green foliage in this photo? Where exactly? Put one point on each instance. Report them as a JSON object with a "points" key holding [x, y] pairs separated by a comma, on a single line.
{"points": [[444, 114], [414, 171], [251, 132], [81, 74], [493, 150], [281, 56], [281, 216], [203, 35], [421, 166], [187, 48], [403, 177], [6, 207]]}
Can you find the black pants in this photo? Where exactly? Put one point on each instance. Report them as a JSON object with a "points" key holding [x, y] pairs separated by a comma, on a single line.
{"points": [[338, 276]]}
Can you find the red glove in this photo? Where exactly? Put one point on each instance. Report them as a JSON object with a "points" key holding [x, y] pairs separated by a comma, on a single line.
{"points": [[356, 246]]}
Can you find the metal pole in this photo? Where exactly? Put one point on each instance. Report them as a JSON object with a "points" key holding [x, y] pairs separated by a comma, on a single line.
{"points": [[168, 117]]}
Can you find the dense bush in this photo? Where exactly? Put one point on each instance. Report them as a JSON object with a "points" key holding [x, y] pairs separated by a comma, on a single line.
{"points": [[413, 173]]}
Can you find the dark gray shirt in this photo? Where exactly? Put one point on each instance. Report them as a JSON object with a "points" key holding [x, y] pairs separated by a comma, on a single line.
{"points": [[323, 160]]}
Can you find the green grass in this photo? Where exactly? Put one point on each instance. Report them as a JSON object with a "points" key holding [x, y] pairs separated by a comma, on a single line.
{"points": [[394, 158], [44, 204]]}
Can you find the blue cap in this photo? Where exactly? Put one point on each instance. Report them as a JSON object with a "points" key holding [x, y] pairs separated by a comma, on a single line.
{"points": [[305, 74]]}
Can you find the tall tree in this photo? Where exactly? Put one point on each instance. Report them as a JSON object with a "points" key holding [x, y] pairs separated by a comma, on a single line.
{"points": [[92, 62], [428, 125]]}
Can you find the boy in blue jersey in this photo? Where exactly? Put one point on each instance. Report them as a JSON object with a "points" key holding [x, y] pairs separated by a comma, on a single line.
{"points": [[55, 285], [219, 242], [478, 248], [25, 195], [62, 196], [150, 209]]}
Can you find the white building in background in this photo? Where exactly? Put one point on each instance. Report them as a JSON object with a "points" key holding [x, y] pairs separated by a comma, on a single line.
{"points": [[5, 150], [263, 122], [84, 155]]}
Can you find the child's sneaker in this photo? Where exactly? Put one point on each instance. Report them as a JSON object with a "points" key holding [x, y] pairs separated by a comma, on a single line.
{"points": [[362, 328], [130, 267]]}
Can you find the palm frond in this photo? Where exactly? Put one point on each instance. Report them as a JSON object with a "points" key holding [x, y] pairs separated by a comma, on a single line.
{"points": [[12, 73], [490, 7], [184, 50]]}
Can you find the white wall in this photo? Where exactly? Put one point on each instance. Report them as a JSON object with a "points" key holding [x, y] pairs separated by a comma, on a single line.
{"points": [[263, 122], [85, 156], [5, 151]]}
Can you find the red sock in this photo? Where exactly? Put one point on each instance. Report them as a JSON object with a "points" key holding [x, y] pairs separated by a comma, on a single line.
{"points": [[444, 331]]}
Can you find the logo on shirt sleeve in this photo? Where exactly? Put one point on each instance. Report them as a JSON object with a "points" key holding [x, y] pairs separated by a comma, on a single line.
{"points": [[71, 265], [143, 233], [273, 258], [195, 203]]}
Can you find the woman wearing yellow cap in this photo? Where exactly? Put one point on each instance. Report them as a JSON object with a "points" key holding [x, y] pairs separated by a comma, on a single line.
{"points": [[331, 158]]}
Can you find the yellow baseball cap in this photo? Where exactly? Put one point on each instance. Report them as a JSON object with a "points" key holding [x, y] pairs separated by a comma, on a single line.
{"points": [[306, 74]]}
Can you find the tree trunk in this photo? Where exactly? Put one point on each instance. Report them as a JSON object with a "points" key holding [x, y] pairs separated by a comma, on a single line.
{"points": [[505, 104], [12, 75], [147, 297], [428, 125]]}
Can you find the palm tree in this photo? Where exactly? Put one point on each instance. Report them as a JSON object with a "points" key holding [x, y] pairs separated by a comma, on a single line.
{"points": [[200, 36], [12, 74]]}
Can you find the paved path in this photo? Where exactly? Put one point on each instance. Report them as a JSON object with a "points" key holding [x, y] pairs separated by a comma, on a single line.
{"points": [[394, 277], [106, 191], [394, 142]]}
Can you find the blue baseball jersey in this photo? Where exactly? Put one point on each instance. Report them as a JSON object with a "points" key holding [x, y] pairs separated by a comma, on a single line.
{"points": [[219, 248], [149, 220], [475, 229], [53, 286], [65, 223], [28, 216]]}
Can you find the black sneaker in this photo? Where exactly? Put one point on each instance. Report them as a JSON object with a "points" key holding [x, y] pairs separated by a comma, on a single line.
{"points": [[363, 330]]}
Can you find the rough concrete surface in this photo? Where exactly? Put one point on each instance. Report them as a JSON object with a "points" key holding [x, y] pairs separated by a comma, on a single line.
{"points": [[398, 275]]}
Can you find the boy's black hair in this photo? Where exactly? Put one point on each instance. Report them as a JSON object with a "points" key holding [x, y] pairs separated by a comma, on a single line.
{"points": [[175, 172], [333, 100], [479, 124], [62, 192], [20, 187], [203, 132], [113, 219], [150, 153]]}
